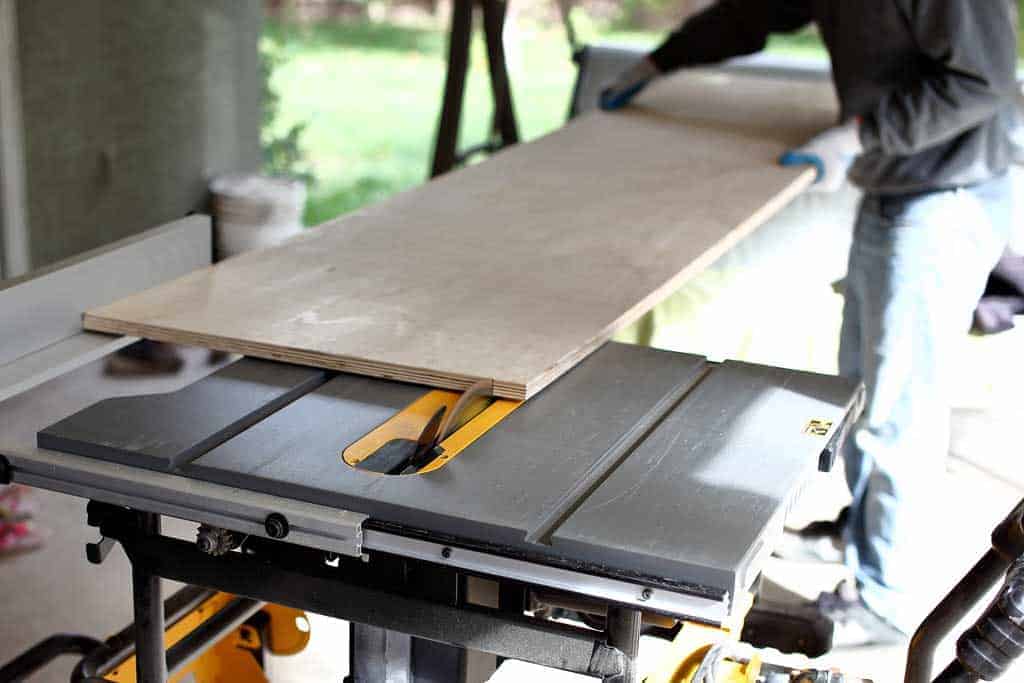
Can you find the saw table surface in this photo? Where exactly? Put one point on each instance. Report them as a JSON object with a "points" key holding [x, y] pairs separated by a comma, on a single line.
{"points": [[638, 462]]}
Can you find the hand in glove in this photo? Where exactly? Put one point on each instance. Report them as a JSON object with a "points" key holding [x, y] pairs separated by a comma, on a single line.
{"points": [[832, 153], [628, 84]]}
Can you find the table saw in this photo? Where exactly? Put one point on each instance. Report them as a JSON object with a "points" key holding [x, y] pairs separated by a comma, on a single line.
{"points": [[642, 485]]}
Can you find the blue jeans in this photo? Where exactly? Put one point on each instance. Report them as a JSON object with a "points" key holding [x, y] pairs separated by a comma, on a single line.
{"points": [[918, 265]]}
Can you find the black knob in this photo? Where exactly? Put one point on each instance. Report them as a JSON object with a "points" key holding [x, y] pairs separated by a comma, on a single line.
{"points": [[276, 525], [205, 545]]}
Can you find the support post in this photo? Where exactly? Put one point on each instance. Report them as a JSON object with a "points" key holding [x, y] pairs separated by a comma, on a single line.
{"points": [[150, 658], [14, 242], [623, 631], [1007, 546], [504, 113], [447, 142], [504, 130]]}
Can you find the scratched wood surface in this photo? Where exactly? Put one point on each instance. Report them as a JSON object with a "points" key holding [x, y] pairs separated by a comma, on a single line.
{"points": [[512, 270]]}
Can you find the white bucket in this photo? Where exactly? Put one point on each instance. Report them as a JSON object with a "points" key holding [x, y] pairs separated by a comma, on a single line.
{"points": [[255, 211]]}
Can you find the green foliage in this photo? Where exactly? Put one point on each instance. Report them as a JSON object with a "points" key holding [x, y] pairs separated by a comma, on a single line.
{"points": [[583, 23], [364, 191], [354, 104], [282, 151], [642, 14], [368, 97], [291, 40]]}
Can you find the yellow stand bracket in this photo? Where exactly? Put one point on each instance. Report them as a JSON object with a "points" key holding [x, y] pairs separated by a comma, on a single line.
{"points": [[230, 658]]}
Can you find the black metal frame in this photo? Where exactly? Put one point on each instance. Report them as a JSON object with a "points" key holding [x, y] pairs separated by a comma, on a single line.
{"points": [[46, 651], [504, 129], [428, 604], [148, 607], [121, 645], [1007, 547], [100, 658], [421, 599]]}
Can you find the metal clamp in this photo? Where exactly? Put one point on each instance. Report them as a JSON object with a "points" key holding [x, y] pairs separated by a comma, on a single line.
{"points": [[97, 552]]}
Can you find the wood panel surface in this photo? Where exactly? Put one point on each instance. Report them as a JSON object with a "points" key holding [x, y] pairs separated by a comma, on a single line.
{"points": [[515, 269]]}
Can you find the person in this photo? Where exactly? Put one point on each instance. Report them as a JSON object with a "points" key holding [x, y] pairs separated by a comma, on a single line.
{"points": [[18, 534], [1003, 298], [927, 95]]}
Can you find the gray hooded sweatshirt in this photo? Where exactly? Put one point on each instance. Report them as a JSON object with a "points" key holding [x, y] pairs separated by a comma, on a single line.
{"points": [[933, 81]]}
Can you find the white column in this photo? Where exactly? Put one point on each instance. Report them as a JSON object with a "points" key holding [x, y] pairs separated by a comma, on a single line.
{"points": [[14, 243]]}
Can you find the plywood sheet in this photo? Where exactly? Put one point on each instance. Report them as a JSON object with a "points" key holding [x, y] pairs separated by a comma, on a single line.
{"points": [[515, 269]]}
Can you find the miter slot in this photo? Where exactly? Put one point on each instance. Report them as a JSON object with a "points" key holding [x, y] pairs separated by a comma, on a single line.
{"points": [[167, 431], [306, 438], [716, 476], [603, 467]]}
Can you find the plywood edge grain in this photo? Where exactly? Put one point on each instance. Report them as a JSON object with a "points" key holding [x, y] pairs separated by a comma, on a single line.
{"points": [[400, 373]]}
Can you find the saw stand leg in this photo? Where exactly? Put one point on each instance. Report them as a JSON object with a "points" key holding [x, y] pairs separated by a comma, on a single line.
{"points": [[151, 659], [504, 130], [377, 654], [973, 647], [623, 630]]}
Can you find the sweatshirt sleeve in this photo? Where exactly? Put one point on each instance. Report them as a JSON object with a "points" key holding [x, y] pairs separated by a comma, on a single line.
{"points": [[730, 28], [969, 48]]}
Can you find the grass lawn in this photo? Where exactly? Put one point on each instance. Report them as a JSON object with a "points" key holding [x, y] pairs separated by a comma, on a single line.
{"points": [[370, 95]]}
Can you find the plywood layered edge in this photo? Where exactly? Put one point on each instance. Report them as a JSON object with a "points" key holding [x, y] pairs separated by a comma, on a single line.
{"points": [[401, 373]]}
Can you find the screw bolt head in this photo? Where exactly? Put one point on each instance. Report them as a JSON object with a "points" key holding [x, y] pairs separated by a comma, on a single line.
{"points": [[276, 525]]}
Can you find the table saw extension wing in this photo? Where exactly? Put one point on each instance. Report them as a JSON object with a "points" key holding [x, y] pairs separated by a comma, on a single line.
{"points": [[639, 468]]}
